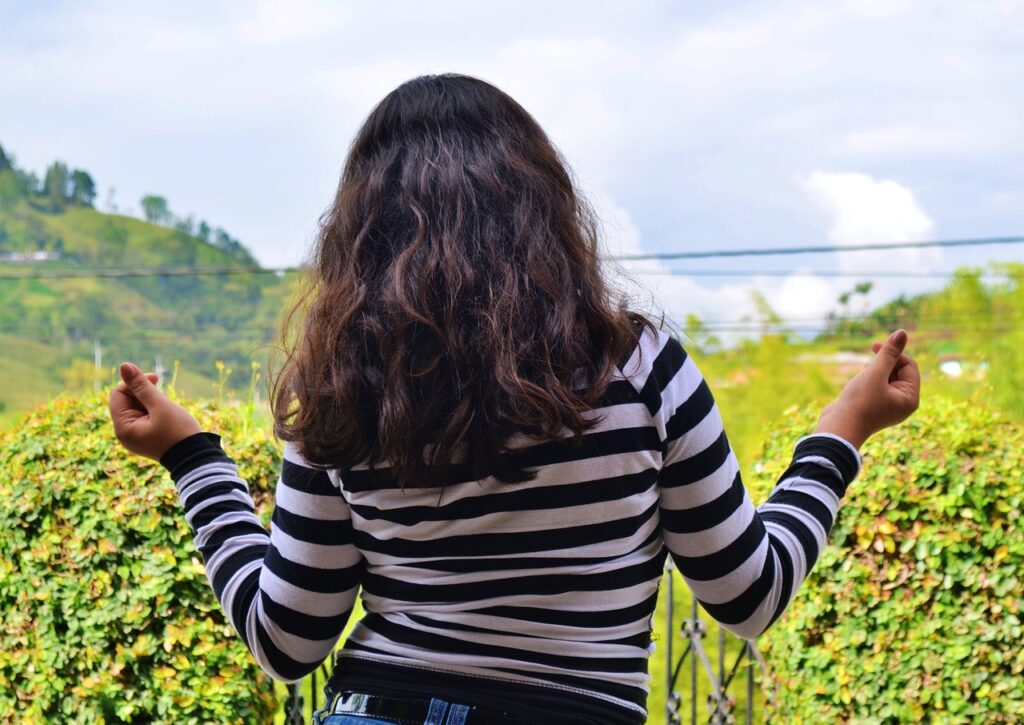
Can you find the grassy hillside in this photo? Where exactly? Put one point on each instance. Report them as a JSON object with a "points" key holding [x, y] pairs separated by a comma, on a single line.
{"points": [[49, 326]]}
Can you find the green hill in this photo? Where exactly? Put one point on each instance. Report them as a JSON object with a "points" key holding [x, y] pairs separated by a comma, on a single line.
{"points": [[50, 326]]}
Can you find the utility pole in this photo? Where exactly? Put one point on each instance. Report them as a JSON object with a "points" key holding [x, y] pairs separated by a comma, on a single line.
{"points": [[97, 358], [158, 368]]}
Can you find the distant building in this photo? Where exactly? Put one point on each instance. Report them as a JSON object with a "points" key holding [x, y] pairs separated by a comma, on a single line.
{"points": [[951, 366], [37, 256]]}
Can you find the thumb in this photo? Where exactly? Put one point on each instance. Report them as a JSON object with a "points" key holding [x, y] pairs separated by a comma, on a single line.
{"points": [[890, 352], [141, 386]]}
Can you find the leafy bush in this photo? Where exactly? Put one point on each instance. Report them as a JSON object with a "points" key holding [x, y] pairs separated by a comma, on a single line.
{"points": [[107, 614], [913, 611]]}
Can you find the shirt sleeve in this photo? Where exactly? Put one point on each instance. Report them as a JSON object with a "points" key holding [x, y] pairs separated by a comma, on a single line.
{"points": [[288, 593], [743, 563]]}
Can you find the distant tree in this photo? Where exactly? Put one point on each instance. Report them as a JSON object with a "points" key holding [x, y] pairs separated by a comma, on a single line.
{"points": [[155, 209], [29, 182], [10, 188], [699, 337], [223, 240], [5, 160], [56, 186], [186, 225], [83, 188], [204, 232]]}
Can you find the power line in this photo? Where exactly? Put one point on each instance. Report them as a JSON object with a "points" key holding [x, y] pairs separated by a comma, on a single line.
{"points": [[217, 329], [774, 251], [795, 273], [148, 272], [705, 254]]}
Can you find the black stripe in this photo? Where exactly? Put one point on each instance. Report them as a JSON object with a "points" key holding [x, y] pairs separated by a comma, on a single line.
{"points": [[519, 542], [618, 392], [818, 474], [741, 608], [460, 645], [667, 363], [478, 565], [325, 532], [777, 550], [230, 531], [230, 566], [804, 502], [220, 487], [700, 518], [284, 665], [575, 618], [720, 563], [567, 450], [696, 467], [841, 456], [307, 480], [195, 450], [301, 624], [311, 578], [615, 689], [199, 519], [799, 530], [532, 585], [244, 596], [532, 499], [690, 412]]}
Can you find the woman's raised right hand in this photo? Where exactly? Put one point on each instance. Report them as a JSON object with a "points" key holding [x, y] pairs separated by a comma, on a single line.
{"points": [[884, 393]]}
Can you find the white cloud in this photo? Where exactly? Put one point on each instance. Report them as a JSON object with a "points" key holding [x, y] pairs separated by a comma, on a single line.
{"points": [[694, 117], [865, 210]]}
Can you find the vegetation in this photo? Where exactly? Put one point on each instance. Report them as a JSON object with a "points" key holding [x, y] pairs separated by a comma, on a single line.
{"points": [[51, 324], [913, 612], [108, 616], [926, 545]]}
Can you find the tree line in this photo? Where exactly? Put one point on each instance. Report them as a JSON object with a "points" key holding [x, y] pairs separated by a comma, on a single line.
{"points": [[62, 186]]}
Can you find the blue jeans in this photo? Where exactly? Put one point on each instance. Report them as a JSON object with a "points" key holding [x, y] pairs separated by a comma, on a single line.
{"points": [[441, 712]]}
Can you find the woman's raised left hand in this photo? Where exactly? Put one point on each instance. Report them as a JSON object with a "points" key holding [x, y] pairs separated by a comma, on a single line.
{"points": [[145, 420]]}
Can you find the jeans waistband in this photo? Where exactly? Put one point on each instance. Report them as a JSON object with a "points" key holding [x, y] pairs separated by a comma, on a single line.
{"points": [[411, 710]]}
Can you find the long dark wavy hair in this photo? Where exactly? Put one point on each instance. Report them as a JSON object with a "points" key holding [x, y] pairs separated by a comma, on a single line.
{"points": [[454, 295]]}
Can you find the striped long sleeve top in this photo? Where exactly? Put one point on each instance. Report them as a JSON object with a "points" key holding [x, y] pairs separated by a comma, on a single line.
{"points": [[548, 584]]}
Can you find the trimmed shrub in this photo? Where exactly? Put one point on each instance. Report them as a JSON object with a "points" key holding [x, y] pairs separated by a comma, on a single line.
{"points": [[107, 613], [912, 612]]}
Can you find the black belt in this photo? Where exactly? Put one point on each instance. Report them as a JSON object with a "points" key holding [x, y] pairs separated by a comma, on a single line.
{"points": [[409, 711]]}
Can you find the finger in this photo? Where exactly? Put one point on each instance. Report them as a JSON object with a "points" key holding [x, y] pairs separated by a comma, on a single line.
{"points": [[123, 386], [140, 386], [889, 353], [908, 372], [123, 414]]}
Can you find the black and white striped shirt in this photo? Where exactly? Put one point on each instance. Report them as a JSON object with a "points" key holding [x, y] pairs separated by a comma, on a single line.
{"points": [[550, 583]]}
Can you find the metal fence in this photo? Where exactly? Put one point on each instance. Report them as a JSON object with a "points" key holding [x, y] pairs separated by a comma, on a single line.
{"points": [[727, 688]]}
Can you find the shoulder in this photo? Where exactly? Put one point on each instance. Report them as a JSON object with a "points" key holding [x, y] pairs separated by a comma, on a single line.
{"points": [[302, 467], [655, 361]]}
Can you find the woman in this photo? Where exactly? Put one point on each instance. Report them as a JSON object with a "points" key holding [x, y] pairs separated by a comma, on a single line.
{"points": [[486, 441]]}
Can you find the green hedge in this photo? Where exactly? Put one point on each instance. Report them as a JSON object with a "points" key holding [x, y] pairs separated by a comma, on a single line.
{"points": [[913, 610], [107, 614]]}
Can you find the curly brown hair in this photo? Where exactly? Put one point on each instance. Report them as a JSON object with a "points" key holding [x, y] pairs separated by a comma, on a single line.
{"points": [[454, 296]]}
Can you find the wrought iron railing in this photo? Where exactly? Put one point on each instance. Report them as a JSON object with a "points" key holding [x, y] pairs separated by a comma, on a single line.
{"points": [[722, 701], [728, 688]]}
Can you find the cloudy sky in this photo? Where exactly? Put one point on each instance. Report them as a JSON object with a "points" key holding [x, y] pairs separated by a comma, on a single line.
{"points": [[691, 126]]}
